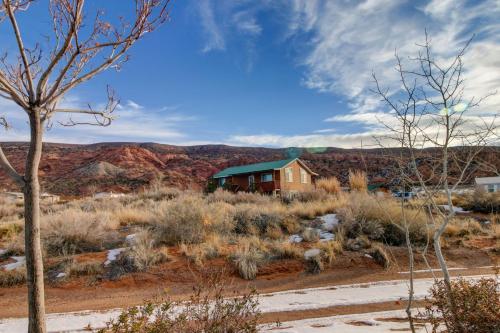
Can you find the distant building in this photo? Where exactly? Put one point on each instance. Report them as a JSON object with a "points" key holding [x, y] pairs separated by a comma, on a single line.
{"points": [[275, 177], [489, 184], [13, 196], [52, 198], [102, 195]]}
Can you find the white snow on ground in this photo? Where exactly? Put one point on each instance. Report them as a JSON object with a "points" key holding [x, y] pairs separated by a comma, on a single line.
{"points": [[330, 221], [130, 238], [2, 252], [291, 300], [455, 209], [311, 253], [19, 262], [60, 275], [356, 323], [438, 270], [112, 255], [295, 239]]}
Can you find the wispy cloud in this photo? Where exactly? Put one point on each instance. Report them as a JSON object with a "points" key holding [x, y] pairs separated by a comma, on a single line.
{"points": [[133, 122], [215, 39]]}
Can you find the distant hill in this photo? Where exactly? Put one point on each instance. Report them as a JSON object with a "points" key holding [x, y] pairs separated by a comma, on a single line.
{"points": [[80, 169]]}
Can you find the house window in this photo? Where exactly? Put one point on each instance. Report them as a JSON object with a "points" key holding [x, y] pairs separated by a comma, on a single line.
{"points": [[303, 176], [222, 181], [251, 180], [289, 175], [266, 177], [491, 188]]}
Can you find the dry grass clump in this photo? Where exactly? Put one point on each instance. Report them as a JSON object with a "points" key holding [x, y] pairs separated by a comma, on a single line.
{"points": [[381, 219], [310, 235], [330, 185], [221, 195], [329, 250], [314, 264], [12, 278], [247, 259], [380, 255], [285, 250], [8, 230], [180, 221], [358, 181], [212, 248], [479, 201], [75, 231], [358, 243], [463, 227], [128, 216], [143, 254], [91, 268]]}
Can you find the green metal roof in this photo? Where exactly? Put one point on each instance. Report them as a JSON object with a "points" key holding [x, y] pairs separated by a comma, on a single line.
{"points": [[236, 170]]}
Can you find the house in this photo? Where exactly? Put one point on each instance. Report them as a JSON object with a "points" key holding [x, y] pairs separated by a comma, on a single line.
{"points": [[12, 196], [52, 198], [105, 195], [489, 184], [283, 176]]}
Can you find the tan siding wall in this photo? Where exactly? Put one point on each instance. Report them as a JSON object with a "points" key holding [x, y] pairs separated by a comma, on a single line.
{"points": [[296, 185]]}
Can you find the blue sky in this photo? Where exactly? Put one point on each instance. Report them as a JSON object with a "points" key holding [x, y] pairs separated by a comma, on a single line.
{"points": [[270, 73]]}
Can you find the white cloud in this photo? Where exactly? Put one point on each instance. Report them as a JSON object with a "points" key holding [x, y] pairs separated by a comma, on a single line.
{"points": [[310, 140], [133, 123], [215, 38]]}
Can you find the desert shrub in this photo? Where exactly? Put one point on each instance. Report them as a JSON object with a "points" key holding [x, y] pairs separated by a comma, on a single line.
{"points": [[220, 218], [381, 219], [12, 278], [380, 255], [11, 229], [306, 196], [158, 192], [132, 216], [285, 250], [142, 255], [358, 181], [314, 264], [480, 201], [462, 227], [221, 195], [198, 253], [358, 243], [249, 220], [207, 310], [477, 306], [9, 210], [180, 221], [92, 268], [75, 231], [329, 250], [330, 185], [310, 235], [247, 259]]}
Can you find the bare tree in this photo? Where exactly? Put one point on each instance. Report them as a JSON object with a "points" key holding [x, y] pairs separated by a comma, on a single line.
{"points": [[37, 78], [435, 129]]}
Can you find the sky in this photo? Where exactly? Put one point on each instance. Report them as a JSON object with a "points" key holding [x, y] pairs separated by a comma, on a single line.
{"points": [[274, 73]]}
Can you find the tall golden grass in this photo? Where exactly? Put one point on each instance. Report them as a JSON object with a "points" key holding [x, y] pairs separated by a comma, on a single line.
{"points": [[358, 181], [330, 185]]}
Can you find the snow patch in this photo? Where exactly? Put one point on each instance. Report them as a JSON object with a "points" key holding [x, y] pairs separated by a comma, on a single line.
{"points": [[2, 252], [18, 262], [295, 239], [311, 253], [113, 255], [330, 221], [130, 238], [435, 270], [455, 209], [60, 275]]}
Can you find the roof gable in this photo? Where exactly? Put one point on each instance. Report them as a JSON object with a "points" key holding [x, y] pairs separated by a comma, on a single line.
{"points": [[263, 166]]}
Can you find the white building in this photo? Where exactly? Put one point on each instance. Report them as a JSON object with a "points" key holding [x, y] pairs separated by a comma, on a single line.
{"points": [[489, 184]]}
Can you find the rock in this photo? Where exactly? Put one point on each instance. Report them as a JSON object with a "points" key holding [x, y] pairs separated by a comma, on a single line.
{"points": [[295, 239], [311, 253]]}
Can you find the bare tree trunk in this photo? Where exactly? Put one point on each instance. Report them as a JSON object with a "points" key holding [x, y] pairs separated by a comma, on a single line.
{"points": [[34, 262]]}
